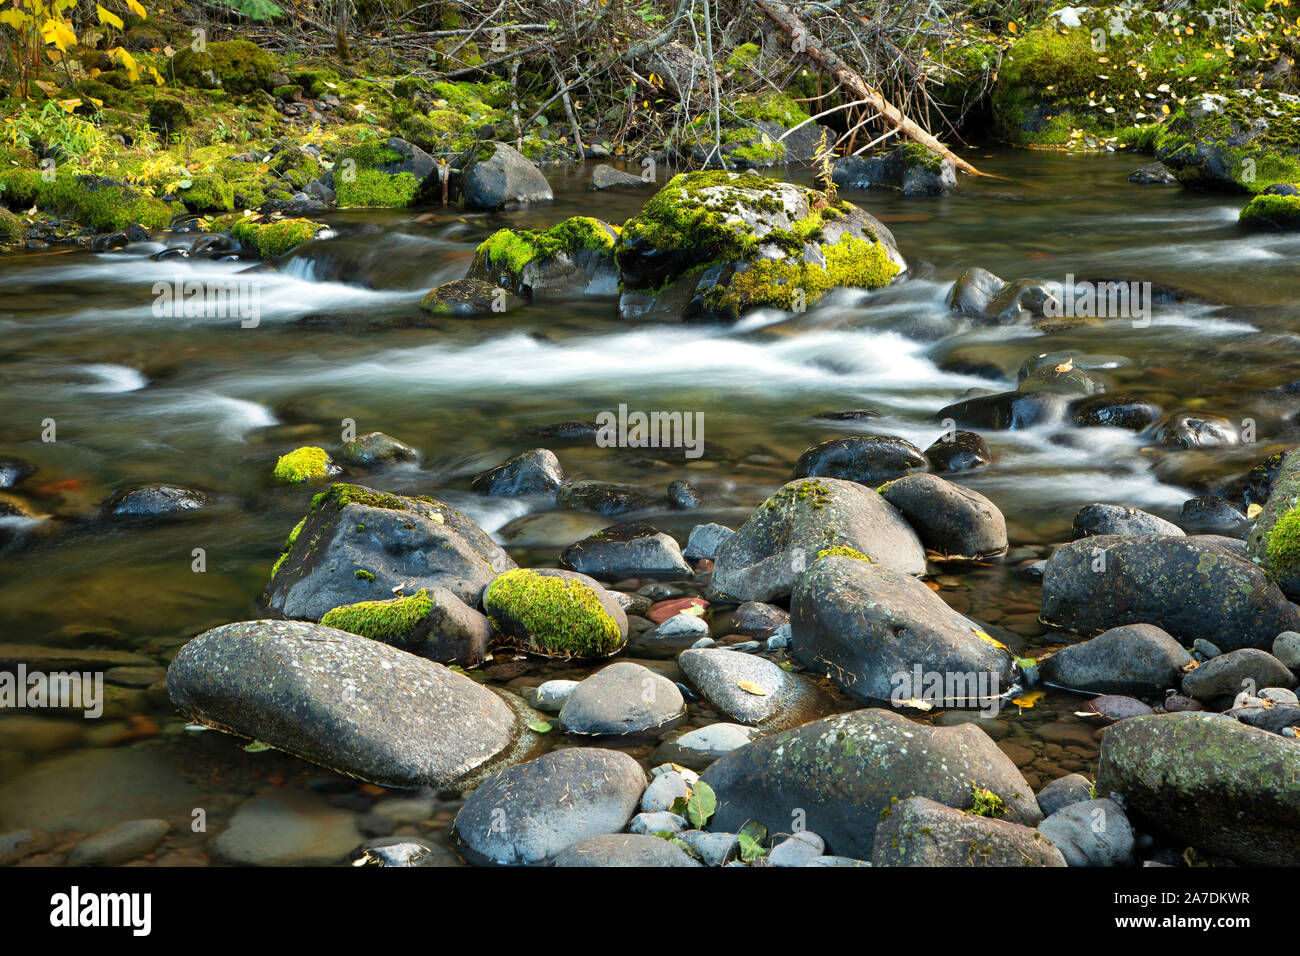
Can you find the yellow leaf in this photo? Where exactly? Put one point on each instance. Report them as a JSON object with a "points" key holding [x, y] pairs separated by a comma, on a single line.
{"points": [[59, 33], [157, 77], [1254, 510], [127, 61], [751, 688], [107, 16], [69, 105], [15, 18], [138, 10], [988, 640], [1027, 700]]}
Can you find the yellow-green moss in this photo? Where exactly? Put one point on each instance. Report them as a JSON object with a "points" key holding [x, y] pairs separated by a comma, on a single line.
{"points": [[1279, 212], [97, 203], [513, 249], [308, 463], [1282, 544], [236, 66], [551, 616], [208, 194], [375, 189], [12, 231], [843, 551], [272, 239], [986, 803], [386, 621]]}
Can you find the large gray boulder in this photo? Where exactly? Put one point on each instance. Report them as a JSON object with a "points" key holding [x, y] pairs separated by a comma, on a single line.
{"points": [[343, 701], [531, 812], [873, 630], [783, 537], [866, 459], [1138, 659], [357, 544], [623, 698], [921, 832], [1206, 780], [953, 522], [1246, 669], [1189, 587], [836, 775], [495, 175]]}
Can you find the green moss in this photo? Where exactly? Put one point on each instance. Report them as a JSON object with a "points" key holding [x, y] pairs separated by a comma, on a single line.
{"points": [[1282, 543], [555, 617], [743, 56], [167, 115], [986, 803], [1253, 136], [295, 167], [513, 249], [209, 194], [843, 551], [1279, 212], [771, 107], [373, 189], [361, 574], [927, 159], [236, 66], [12, 230], [388, 621], [272, 239], [308, 463], [100, 204]]}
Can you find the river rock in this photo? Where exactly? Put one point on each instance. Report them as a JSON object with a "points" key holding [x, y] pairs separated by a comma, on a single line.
{"points": [[154, 503], [713, 849], [785, 534], [342, 701], [1192, 430], [607, 177], [797, 849], [1214, 138], [1091, 833], [1208, 781], [287, 829], [674, 635], [470, 298], [1138, 659], [921, 832], [871, 630], [374, 449], [1286, 648], [1189, 588], [983, 296], [530, 812], [704, 541], [119, 844], [534, 472], [629, 550], [1153, 174], [753, 690], [954, 522], [1247, 669], [1272, 543], [696, 749], [1115, 411], [1098, 519], [357, 544], [963, 451], [1063, 791], [624, 849], [550, 696], [665, 790], [911, 168], [1006, 410], [1213, 515], [505, 177], [573, 258], [607, 497], [756, 619], [432, 623], [841, 772], [866, 459], [556, 613], [623, 698]]}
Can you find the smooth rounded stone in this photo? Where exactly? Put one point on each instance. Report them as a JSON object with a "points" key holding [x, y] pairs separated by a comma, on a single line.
{"points": [[713, 849], [756, 619], [1286, 648], [393, 539], [624, 849], [874, 631], [505, 178], [374, 449], [840, 772], [1063, 379], [1006, 410], [341, 701], [1203, 650], [1130, 412], [1280, 695], [470, 298], [753, 690], [623, 698], [120, 843], [403, 851], [660, 611], [534, 472], [633, 604], [664, 790], [696, 749], [530, 812], [660, 821], [684, 495], [973, 291], [1270, 543], [797, 849], [1225, 788], [14, 471], [1192, 430], [154, 502], [1153, 174], [1109, 708], [607, 177], [951, 521], [762, 561], [963, 451], [1091, 833], [629, 550], [607, 497], [1064, 791], [1229, 674], [679, 633], [704, 541], [1211, 513], [1275, 718], [287, 829], [1178, 703], [1189, 588], [1138, 659], [866, 459], [432, 623], [779, 640], [1096, 519], [912, 172], [550, 697], [922, 832], [556, 613]]}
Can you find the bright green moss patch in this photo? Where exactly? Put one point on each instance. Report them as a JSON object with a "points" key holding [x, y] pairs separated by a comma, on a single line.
{"points": [[236, 66], [1236, 139], [551, 616], [742, 57], [1278, 212], [1282, 544], [375, 189], [12, 231], [388, 621], [513, 249], [843, 551], [99, 204], [361, 574], [308, 463], [272, 239], [209, 194], [986, 803]]}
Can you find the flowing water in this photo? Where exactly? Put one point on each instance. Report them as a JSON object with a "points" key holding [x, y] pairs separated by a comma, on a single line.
{"points": [[205, 403]]}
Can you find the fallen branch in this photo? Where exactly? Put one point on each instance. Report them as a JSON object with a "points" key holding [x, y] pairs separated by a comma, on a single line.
{"points": [[830, 62]]}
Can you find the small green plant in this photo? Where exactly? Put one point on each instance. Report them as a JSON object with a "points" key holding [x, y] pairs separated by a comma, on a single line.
{"points": [[985, 803]]}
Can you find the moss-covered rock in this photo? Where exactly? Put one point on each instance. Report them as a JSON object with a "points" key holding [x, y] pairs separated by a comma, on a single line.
{"points": [[269, 240], [469, 298], [573, 257], [1238, 140], [556, 614], [752, 128], [208, 194], [12, 230], [432, 623], [167, 115], [717, 244], [382, 175], [305, 464], [1276, 208], [93, 201], [236, 66]]}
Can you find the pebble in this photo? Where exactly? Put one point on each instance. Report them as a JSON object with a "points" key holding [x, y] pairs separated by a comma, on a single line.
{"points": [[797, 850], [660, 821], [664, 790], [120, 843], [550, 697]]}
